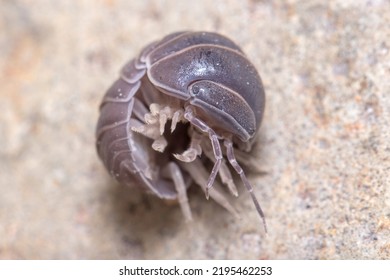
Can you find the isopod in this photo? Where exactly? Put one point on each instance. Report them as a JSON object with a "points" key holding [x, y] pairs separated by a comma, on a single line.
{"points": [[164, 120]]}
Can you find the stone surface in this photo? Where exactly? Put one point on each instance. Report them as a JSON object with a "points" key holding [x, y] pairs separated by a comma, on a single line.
{"points": [[324, 142]]}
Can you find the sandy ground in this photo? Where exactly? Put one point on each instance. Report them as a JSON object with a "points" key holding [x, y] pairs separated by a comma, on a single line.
{"points": [[324, 142]]}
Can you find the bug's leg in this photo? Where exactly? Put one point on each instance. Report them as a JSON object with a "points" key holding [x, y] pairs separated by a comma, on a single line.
{"points": [[177, 117], [224, 172], [193, 150], [230, 155], [165, 114], [150, 130], [162, 115], [160, 144], [214, 142], [173, 171], [199, 173], [151, 123]]}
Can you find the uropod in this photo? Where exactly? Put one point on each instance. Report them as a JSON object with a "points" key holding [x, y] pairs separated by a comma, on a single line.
{"points": [[182, 111]]}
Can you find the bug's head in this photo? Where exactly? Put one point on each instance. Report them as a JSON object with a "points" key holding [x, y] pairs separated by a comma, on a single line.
{"points": [[224, 108]]}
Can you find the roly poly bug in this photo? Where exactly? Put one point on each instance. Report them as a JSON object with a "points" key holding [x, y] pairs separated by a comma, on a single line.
{"points": [[163, 121]]}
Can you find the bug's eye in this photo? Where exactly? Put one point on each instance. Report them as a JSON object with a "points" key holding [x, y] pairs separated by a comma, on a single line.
{"points": [[196, 90]]}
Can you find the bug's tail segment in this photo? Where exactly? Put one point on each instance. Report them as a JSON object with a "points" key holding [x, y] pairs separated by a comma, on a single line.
{"points": [[230, 155]]}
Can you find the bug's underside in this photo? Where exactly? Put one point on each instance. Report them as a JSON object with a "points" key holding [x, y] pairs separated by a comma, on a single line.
{"points": [[183, 149]]}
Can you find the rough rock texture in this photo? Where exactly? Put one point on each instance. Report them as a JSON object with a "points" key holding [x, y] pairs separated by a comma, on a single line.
{"points": [[324, 142]]}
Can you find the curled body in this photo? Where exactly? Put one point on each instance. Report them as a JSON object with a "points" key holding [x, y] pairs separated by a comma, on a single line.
{"points": [[184, 110]]}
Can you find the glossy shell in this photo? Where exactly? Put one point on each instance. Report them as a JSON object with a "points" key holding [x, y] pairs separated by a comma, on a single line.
{"points": [[163, 121]]}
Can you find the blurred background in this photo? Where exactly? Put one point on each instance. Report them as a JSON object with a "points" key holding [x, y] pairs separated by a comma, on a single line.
{"points": [[324, 142]]}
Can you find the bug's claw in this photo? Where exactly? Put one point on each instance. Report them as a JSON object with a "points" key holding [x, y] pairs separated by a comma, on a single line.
{"points": [[165, 115], [189, 155], [185, 157], [163, 121], [192, 152], [177, 117], [150, 119], [139, 129], [232, 188], [207, 193], [160, 144], [149, 131], [210, 182], [154, 109]]}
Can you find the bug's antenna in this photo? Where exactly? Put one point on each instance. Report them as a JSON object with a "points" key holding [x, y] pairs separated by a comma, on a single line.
{"points": [[232, 159]]}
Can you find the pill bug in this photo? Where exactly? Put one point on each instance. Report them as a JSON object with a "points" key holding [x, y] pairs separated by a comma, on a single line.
{"points": [[164, 119]]}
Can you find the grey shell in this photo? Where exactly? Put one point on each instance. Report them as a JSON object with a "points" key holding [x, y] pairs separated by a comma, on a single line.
{"points": [[205, 70]]}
